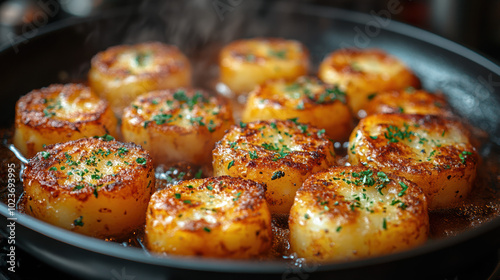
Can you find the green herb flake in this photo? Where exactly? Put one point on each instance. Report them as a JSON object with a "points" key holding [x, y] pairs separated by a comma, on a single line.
{"points": [[320, 132], [278, 174], [78, 222], [161, 119], [403, 191], [141, 160], [237, 196], [253, 154], [106, 137], [198, 174], [278, 53], [230, 164]]}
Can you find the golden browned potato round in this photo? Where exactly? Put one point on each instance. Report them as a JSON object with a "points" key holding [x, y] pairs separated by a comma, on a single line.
{"points": [[93, 186], [361, 73], [180, 125], [60, 113], [220, 217], [281, 154], [408, 101], [347, 213], [307, 99], [432, 151], [244, 64], [121, 73]]}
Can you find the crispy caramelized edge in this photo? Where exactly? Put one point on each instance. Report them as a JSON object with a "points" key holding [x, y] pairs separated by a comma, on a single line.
{"points": [[225, 112], [28, 116], [38, 166], [102, 60], [313, 158]]}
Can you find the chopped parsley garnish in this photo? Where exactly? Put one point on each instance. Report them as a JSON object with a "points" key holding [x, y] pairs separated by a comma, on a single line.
{"points": [[253, 154], [278, 174], [141, 160], [230, 164], [198, 174], [48, 114], [237, 196], [45, 154], [463, 156], [106, 137], [279, 54], [394, 132], [300, 106], [141, 58], [320, 132], [403, 191], [371, 96], [211, 126], [78, 222], [198, 120], [250, 57], [161, 119]]}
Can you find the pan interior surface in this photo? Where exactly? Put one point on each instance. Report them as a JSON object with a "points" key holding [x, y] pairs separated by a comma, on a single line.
{"points": [[62, 53]]}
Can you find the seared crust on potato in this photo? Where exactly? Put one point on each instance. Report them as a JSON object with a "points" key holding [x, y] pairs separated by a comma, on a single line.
{"points": [[121, 73], [362, 73], [220, 217], [307, 99], [281, 154], [93, 186], [246, 63], [60, 113], [432, 151], [408, 101], [347, 213], [180, 125]]}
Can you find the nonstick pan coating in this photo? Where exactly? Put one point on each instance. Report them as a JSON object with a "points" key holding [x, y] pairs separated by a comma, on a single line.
{"points": [[62, 53]]}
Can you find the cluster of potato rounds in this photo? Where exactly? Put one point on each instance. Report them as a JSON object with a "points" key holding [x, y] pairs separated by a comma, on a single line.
{"points": [[407, 154]]}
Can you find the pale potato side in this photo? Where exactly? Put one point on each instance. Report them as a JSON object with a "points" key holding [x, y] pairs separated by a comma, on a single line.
{"points": [[97, 187], [349, 213], [361, 73], [180, 125], [121, 73], [307, 99], [281, 154], [246, 63], [408, 101], [432, 151], [221, 217], [60, 113]]}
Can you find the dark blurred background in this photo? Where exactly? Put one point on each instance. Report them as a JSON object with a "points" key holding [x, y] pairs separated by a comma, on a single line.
{"points": [[474, 24]]}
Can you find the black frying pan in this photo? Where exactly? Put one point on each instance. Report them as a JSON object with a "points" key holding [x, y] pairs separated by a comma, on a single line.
{"points": [[62, 52]]}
